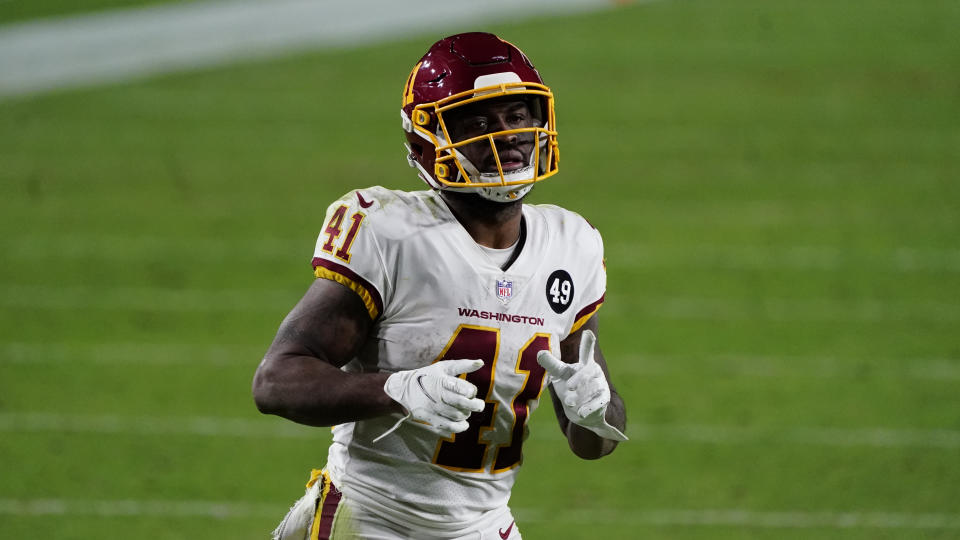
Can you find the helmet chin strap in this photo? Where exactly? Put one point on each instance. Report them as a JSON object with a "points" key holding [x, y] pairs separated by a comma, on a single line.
{"points": [[507, 193], [502, 194]]}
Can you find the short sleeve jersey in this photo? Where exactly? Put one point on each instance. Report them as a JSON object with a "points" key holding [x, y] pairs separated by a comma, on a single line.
{"points": [[433, 294]]}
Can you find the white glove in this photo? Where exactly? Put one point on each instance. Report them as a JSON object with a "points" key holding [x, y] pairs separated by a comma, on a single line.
{"points": [[582, 388], [436, 396]]}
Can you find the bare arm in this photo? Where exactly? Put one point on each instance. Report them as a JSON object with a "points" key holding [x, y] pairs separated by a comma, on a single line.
{"points": [[585, 443], [299, 377]]}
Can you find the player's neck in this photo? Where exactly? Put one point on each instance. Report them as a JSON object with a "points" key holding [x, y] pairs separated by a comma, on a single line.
{"points": [[492, 224]]}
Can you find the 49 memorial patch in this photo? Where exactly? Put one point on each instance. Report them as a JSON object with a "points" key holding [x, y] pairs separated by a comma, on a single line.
{"points": [[559, 291]]}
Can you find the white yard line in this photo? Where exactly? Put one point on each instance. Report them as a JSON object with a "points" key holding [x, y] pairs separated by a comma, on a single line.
{"points": [[118, 45], [814, 436], [942, 369], [149, 298], [774, 257], [120, 247], [205, 426], [39, 422], [789, 519], [136, 354], [790, 309], [137, 507], [157, 299], [131, 354]]}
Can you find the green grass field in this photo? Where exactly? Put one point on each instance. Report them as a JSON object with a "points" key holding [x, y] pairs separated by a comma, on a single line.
{"points": [[24, 10], [777, 184]]}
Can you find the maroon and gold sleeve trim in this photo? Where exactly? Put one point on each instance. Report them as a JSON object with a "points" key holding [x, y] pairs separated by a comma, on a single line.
{"points": [[584, 314], [326, 269]]}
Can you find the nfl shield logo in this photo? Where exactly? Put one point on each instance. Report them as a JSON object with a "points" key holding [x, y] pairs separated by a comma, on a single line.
{"points": [[504, 289]]}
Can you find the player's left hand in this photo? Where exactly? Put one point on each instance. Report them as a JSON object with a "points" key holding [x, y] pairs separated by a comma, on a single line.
{"points": [[582, 388]]}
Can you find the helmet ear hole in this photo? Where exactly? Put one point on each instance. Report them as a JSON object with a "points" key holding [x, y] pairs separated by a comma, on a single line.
{"points": [[421, 117], [416, 149]]}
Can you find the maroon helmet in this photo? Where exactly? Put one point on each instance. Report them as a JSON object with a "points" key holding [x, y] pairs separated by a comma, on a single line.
{"points": [[478, 118]]}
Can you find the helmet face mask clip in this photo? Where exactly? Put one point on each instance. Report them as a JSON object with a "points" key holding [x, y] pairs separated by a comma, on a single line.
{"points": [[474, 126]]}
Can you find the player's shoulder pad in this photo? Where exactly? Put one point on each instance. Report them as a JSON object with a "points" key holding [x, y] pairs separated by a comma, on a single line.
{"points": [[368, 200], [569, 224], [387, 213], [560, 215]]}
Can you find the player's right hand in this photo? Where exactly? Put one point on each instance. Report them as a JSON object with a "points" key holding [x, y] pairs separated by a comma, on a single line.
{"points": [[436, 395]]}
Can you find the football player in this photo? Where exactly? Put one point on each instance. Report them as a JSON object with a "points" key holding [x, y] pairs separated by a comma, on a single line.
{"points": [[439, 316]]}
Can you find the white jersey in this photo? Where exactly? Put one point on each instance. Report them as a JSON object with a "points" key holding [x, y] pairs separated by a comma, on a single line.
{"points": [[434, 294]]}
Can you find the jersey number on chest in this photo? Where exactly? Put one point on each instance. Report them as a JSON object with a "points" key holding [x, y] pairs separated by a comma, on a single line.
{"points": [[467, 451]]}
